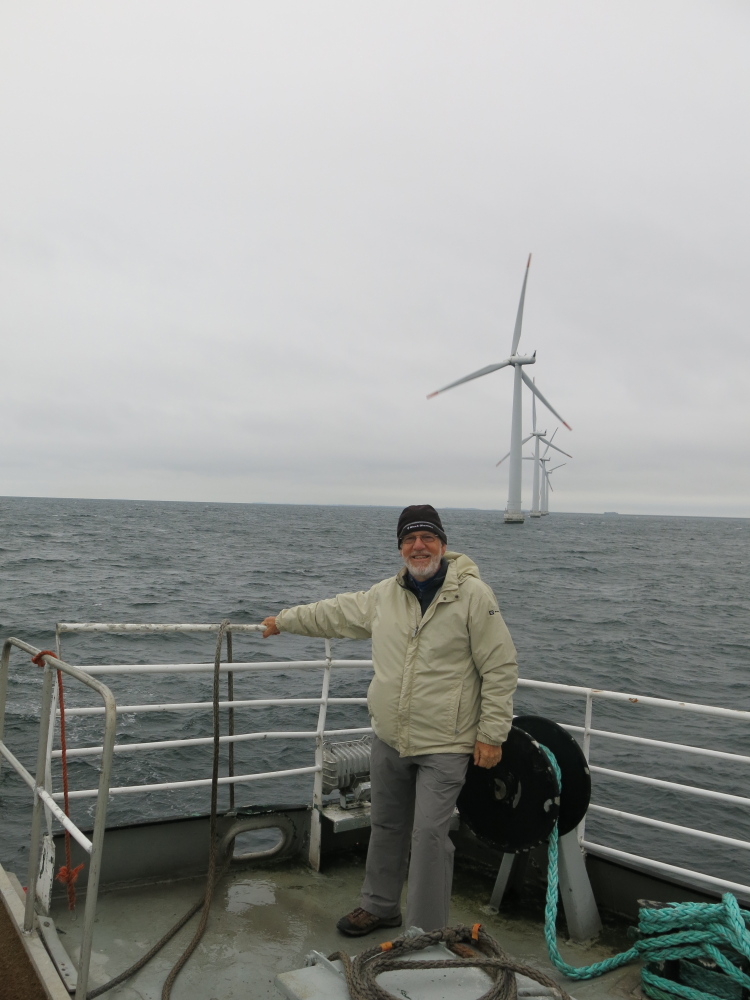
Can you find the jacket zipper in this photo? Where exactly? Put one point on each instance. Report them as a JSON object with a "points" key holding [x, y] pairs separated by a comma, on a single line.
{"points": [[421, 623], [424, 616]]}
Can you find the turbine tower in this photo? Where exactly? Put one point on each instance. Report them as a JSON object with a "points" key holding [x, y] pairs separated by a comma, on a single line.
{"points": [[513, 512]]}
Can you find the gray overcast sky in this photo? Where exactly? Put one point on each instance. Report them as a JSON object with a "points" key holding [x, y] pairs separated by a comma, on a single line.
{"points": [[240, 242]]}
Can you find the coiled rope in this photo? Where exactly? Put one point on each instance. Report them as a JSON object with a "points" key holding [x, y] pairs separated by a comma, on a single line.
{"points": [[361, 972], [716, 934]]}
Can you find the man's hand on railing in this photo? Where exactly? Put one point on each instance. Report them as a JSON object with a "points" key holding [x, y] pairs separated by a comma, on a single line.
{"points": [[270, 626]]}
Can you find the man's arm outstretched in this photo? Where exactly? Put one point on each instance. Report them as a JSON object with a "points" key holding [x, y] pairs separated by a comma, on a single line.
{"points": [[346, 616]]}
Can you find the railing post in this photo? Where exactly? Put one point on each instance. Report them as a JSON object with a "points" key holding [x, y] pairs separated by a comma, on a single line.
{"points": [[581, 829], [97, 841], [317, 804], [4, 665], [47, 860], [230, 726], [36, 816], [587, 723], [48, 849]]}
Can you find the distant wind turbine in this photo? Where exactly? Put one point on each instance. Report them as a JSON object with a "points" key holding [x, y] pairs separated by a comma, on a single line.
{"points": [[547, 485], [539, 437], [513, 513]]}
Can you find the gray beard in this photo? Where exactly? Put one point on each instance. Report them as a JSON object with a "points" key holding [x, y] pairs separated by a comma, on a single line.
{"points": [[423, 571]]}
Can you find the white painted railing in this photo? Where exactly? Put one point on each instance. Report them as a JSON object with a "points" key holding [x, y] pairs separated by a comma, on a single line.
{"points": [[40, 782], [592, 695], [587, 732], [319, 734]]}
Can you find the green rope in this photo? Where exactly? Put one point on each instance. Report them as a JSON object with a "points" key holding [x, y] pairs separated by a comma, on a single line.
{"points": [[717, 932]]}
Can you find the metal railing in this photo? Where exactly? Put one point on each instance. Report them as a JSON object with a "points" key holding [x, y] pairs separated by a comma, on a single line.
{"points": [[585, 731], [43, 801], [45, 798], [319, 734], [709, 883]]}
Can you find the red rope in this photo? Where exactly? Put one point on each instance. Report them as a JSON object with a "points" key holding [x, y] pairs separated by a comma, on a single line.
{"points": [[38, 660], [67, 873]]}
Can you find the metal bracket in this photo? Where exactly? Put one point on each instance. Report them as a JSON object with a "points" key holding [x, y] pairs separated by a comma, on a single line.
{"points": [[501, 882], [581, 913], [355, 794], [46, 873], [58, 954]]}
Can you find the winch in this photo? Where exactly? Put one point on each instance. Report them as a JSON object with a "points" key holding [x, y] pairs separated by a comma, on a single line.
{"points": [[513, 806]]}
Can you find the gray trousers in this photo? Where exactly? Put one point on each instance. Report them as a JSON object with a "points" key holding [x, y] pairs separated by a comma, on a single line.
{"points": [[413, 799]]}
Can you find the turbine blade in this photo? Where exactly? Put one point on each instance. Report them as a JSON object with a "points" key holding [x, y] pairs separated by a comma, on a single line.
{"points": [[549, 406], [549, 442], [550, 445], [533, 410], [468, 378], [505, 456], [557, 467], [519, 315]]}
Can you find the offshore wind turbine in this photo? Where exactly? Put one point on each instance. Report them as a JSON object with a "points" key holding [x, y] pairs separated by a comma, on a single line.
{"points": [[539, 438], [547, 485], [513, 512]]}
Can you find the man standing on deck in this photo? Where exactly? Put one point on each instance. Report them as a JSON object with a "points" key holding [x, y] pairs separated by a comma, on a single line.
{"points": [[445, 673]]}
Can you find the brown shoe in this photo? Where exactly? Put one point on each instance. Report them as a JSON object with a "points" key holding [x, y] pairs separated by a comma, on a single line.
{"points": [[360, 922]]}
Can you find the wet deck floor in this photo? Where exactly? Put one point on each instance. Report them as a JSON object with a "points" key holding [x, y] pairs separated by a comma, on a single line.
{"points": [[265, 921]]}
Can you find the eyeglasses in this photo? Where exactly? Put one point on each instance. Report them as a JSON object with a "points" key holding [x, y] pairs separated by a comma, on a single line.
{"points": [[425, 539]]}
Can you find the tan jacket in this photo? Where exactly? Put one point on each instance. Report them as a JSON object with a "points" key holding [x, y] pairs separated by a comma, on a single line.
{"points": [[441, 681]]}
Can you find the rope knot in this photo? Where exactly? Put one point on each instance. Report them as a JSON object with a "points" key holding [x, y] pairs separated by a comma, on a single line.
{"points": [[69, 876], [38, 660]]}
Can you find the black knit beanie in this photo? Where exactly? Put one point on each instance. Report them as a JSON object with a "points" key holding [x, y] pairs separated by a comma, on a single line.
{"points": [[420, 517]]}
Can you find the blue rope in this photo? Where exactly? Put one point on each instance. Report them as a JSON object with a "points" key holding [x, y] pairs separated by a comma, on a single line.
{"points": [[719, 932]]}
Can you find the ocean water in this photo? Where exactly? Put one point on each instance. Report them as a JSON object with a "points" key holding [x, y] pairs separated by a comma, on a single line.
{"points": [[649, 605]]}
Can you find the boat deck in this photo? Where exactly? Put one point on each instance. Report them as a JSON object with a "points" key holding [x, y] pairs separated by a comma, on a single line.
{"points": [[264, 921]]}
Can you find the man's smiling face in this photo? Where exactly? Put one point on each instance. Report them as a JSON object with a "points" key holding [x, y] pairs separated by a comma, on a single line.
{"points": [[422, 552]]}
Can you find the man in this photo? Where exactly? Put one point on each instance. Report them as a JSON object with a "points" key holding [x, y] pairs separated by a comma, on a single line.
{"points": [[445, 673]]}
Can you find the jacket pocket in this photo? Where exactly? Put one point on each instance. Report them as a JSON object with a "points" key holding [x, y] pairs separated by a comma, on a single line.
{"points": [[433, 718], [468, 708]]}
